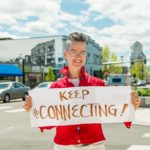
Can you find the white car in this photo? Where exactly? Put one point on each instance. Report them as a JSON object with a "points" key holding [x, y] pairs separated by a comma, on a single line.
{"points": [[141, 83], [119, 80], [44, 85]]}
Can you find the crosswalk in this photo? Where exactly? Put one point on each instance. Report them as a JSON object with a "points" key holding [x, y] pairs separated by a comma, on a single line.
{"points": [[141, 147], [15, 110], [6, 130], [11, 109], [146, 135], [5, 107]]}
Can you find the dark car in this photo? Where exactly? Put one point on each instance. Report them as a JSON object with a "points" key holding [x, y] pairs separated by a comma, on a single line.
{"points": [[13, 90]]}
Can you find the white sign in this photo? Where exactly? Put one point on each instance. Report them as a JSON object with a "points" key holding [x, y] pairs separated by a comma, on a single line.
{"points": [[81, 105]]}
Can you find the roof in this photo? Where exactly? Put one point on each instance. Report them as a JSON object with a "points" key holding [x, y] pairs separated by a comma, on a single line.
{"points": [[10, 70]]}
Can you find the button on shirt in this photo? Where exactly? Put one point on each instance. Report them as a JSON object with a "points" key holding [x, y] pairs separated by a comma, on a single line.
{"points": [[78, 128]]}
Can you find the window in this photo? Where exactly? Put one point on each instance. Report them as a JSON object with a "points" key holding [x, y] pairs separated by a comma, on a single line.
{"points": [[96, 59], [60, 59], [50, 48]]}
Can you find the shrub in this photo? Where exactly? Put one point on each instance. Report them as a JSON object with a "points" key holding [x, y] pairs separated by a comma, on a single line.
{"points": [[143, 91]]}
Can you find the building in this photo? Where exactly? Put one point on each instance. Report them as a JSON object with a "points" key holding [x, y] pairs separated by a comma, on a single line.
{"points": [[137, 56], [94, 57], [51, 53], [137, 53], [34, 55]]}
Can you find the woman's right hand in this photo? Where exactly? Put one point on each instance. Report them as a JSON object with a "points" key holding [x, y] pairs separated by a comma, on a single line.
{"points": [[28, 104]]}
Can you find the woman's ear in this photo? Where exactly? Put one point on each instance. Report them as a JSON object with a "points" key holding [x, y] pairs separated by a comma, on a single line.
{"points": [[65, 54]]}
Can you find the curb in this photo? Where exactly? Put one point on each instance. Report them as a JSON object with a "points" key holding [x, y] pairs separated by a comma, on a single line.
{"points": [[141, 123]]}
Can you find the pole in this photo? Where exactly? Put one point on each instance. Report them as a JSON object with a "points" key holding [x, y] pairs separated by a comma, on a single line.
{"points": [[43, 74], [23, 70], [122, 64], [142, 70]]}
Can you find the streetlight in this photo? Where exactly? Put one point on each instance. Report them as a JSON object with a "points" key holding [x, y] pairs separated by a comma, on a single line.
{"points": [[122, 64]]}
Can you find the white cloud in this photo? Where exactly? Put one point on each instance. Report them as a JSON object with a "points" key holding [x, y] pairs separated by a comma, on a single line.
{"points": [[35, 27], [98, 18], [49, 14], [133, 17], [125, 11], [6, 34], [67, 17], [46, 11]]}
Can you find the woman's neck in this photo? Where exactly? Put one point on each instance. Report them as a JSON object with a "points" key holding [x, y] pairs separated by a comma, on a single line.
{"points": [[74, 74]]}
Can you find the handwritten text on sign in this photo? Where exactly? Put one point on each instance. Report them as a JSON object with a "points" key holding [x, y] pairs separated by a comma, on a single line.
{"points": [[81, 105]]}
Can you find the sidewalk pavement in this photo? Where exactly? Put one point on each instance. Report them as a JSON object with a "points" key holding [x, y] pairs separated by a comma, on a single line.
{"points": [[142, 116]]}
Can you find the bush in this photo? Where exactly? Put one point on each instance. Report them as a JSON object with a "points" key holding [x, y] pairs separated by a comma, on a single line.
{"points": [[143, 91]]}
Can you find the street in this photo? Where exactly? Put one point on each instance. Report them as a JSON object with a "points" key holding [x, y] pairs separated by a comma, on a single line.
{"points": [[16, 133]]}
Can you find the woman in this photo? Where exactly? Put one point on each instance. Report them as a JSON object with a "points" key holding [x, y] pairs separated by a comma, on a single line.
{"points": [[84, 136]]}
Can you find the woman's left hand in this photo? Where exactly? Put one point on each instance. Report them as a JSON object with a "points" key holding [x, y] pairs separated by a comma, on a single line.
{"points": [[135, 100]]}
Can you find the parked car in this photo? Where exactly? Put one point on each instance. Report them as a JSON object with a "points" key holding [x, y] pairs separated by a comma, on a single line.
{"points": [[13, 90], [141, 83], [44, 85], [119, 80]]}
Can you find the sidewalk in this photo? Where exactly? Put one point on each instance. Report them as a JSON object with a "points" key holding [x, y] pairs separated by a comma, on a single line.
{"points": [[142, 116]]}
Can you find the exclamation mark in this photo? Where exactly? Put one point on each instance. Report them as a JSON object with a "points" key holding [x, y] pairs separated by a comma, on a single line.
{"points": [[123, 109]]}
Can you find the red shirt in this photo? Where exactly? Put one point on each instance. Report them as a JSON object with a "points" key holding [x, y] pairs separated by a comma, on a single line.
{"points": [[83, 133]]}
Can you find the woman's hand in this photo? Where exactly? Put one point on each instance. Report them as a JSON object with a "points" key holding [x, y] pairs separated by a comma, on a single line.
{"points": [[135, 100], [28, 104]]}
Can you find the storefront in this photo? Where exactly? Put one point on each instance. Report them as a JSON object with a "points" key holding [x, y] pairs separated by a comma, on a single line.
{"points": [[9, 72]]}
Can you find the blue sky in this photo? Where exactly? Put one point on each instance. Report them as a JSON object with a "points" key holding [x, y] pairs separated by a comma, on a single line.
{"points": [[116, 24]]}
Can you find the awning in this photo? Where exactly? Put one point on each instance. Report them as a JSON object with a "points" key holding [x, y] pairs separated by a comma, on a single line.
{"points": [[10, 70]]}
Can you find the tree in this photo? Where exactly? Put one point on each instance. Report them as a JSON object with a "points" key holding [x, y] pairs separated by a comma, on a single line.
{"points": [[50, 75], [101, 74], [115, 68], [105, 54], [139, 69], [105, 57], [108, 56]]}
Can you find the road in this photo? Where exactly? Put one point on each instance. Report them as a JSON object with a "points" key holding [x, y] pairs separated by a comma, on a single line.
{"points": [[16, 133]]}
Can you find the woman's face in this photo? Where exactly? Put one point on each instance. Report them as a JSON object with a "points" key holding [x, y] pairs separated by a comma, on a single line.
{"points": [[76, 55]]}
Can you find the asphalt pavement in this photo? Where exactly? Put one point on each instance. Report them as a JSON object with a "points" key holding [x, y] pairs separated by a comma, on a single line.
{"points": [[17, 134]]}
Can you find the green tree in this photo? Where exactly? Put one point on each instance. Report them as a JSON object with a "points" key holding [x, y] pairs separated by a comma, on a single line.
{"points": [[108, 56], [140, 70], [105, 54], [105, 57], [115, 68], [101, 74], [50, 75]]}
